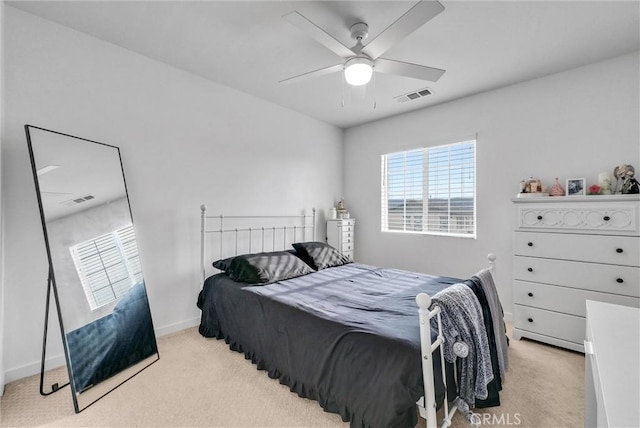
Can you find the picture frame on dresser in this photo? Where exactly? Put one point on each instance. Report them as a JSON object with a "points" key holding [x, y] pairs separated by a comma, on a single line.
{"points": [[575, 186]]}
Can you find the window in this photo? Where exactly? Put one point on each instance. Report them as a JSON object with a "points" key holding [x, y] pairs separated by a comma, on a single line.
{"points": [[108, 266], [430, 190]]}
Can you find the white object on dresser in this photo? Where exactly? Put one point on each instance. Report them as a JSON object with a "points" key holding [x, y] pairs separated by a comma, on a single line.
{"points": [[340, 235], [612, 373], [568, 250]]}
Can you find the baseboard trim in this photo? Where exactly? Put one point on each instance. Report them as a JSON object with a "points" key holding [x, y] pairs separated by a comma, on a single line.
{"points": [[55, 361], [508, 317], [179, 326], [33, 368]]}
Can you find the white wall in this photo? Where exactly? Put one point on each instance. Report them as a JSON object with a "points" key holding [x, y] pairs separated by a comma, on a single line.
{"points": [[572, 124], [184, 141]]}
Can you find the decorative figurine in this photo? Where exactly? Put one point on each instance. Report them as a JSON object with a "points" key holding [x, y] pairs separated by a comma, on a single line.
{"points": [[625, 181], [342, 211], [556, 189], [631, 186]]}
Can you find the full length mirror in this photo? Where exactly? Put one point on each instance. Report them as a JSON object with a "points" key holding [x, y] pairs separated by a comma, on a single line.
{"points": [[95, 268]]}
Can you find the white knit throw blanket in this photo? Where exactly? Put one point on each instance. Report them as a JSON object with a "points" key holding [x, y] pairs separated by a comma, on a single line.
{"points": [[462, 321]]}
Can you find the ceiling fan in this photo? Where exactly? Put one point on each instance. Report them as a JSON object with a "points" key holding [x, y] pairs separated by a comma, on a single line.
{"points": [[360, 61]]}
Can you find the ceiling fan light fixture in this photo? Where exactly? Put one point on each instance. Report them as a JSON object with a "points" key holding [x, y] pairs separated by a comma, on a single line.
{"points": [[358, 71]]}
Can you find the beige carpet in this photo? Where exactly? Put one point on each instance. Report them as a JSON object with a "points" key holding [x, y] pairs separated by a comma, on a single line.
{"points": [[201, 383]]}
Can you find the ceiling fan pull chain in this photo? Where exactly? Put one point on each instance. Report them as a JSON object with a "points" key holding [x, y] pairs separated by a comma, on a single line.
{"points": [[342, 81], [374, 91]]}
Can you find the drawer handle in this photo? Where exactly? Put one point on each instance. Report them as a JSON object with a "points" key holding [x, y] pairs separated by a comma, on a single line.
{"points": [[606, 218], [619, 280], [539, 217], [619, 250], [530, 294], [530, 319], [530, 244], [530, 269]]}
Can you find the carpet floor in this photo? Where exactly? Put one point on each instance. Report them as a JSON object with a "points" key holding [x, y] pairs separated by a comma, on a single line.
{"points": [[199, 382]]}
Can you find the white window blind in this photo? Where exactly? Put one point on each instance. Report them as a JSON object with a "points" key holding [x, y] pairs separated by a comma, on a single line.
{"points": [[108, 266], [430, 190]]}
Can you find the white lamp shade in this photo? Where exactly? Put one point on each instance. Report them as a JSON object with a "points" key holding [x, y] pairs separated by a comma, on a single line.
{"points": [[358, 71]]}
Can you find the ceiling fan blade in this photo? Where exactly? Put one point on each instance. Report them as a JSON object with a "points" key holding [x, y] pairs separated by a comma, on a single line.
{"points": [[312, 74], [413, 19], [321, 36], [407, 69]]}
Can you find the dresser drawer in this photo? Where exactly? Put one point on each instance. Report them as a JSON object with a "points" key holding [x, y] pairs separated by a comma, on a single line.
{"points": [[622, 280], [341, 235], [562, 299], [345, 246], [604, 217], [619, 250], [347, 236], [548, 323]]}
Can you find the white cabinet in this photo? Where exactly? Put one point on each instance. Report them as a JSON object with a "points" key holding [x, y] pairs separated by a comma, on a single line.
{"points": [[340, 235], [612, 373], [568, 250]]}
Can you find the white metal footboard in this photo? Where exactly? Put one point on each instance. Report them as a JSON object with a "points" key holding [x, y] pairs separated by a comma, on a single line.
{"points": [[427, 405]]}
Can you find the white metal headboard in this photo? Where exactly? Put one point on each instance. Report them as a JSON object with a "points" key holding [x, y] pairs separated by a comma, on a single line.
{"points": [[260, 228]]}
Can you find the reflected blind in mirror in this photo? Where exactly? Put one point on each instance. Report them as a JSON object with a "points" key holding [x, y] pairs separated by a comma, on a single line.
{"points": [[108, 266]]}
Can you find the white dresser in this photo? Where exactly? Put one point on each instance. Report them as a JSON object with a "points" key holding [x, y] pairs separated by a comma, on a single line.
{"points": [[568, 250], [340, 234]]}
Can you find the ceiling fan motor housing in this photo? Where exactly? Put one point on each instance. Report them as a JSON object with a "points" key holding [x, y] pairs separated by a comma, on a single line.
{"points": [[359, 31]]}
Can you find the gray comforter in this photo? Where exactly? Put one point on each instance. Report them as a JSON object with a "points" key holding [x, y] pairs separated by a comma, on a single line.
{"points": [[347, 337]]}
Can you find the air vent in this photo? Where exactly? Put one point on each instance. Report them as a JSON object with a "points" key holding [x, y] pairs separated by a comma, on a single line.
{"points": [[72, 202], [413, 95]]}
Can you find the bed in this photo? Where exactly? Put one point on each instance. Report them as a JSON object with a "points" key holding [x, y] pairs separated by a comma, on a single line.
{"points": [[345, 334]]}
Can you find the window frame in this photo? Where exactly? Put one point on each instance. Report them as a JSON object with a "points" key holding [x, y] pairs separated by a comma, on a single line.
{"points": [[384, 191]]}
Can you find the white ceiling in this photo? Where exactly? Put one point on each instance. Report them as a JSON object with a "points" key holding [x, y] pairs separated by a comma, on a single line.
{"points": [[248, 46]]}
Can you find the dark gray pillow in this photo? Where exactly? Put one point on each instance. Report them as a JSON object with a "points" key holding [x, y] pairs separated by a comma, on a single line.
{"points": [[263, 268], [319, 255], [223, 264]]}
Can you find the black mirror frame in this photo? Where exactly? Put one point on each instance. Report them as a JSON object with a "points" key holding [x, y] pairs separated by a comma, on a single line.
{"points": [[51, 282]]}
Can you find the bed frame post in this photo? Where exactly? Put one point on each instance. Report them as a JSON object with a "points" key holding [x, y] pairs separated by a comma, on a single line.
{"points": [[313, 227], [203, 228], [427, 406], [492, 264]]}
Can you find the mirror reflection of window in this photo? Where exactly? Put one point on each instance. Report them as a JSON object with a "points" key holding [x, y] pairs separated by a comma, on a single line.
{"points": [[108, 266]]}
